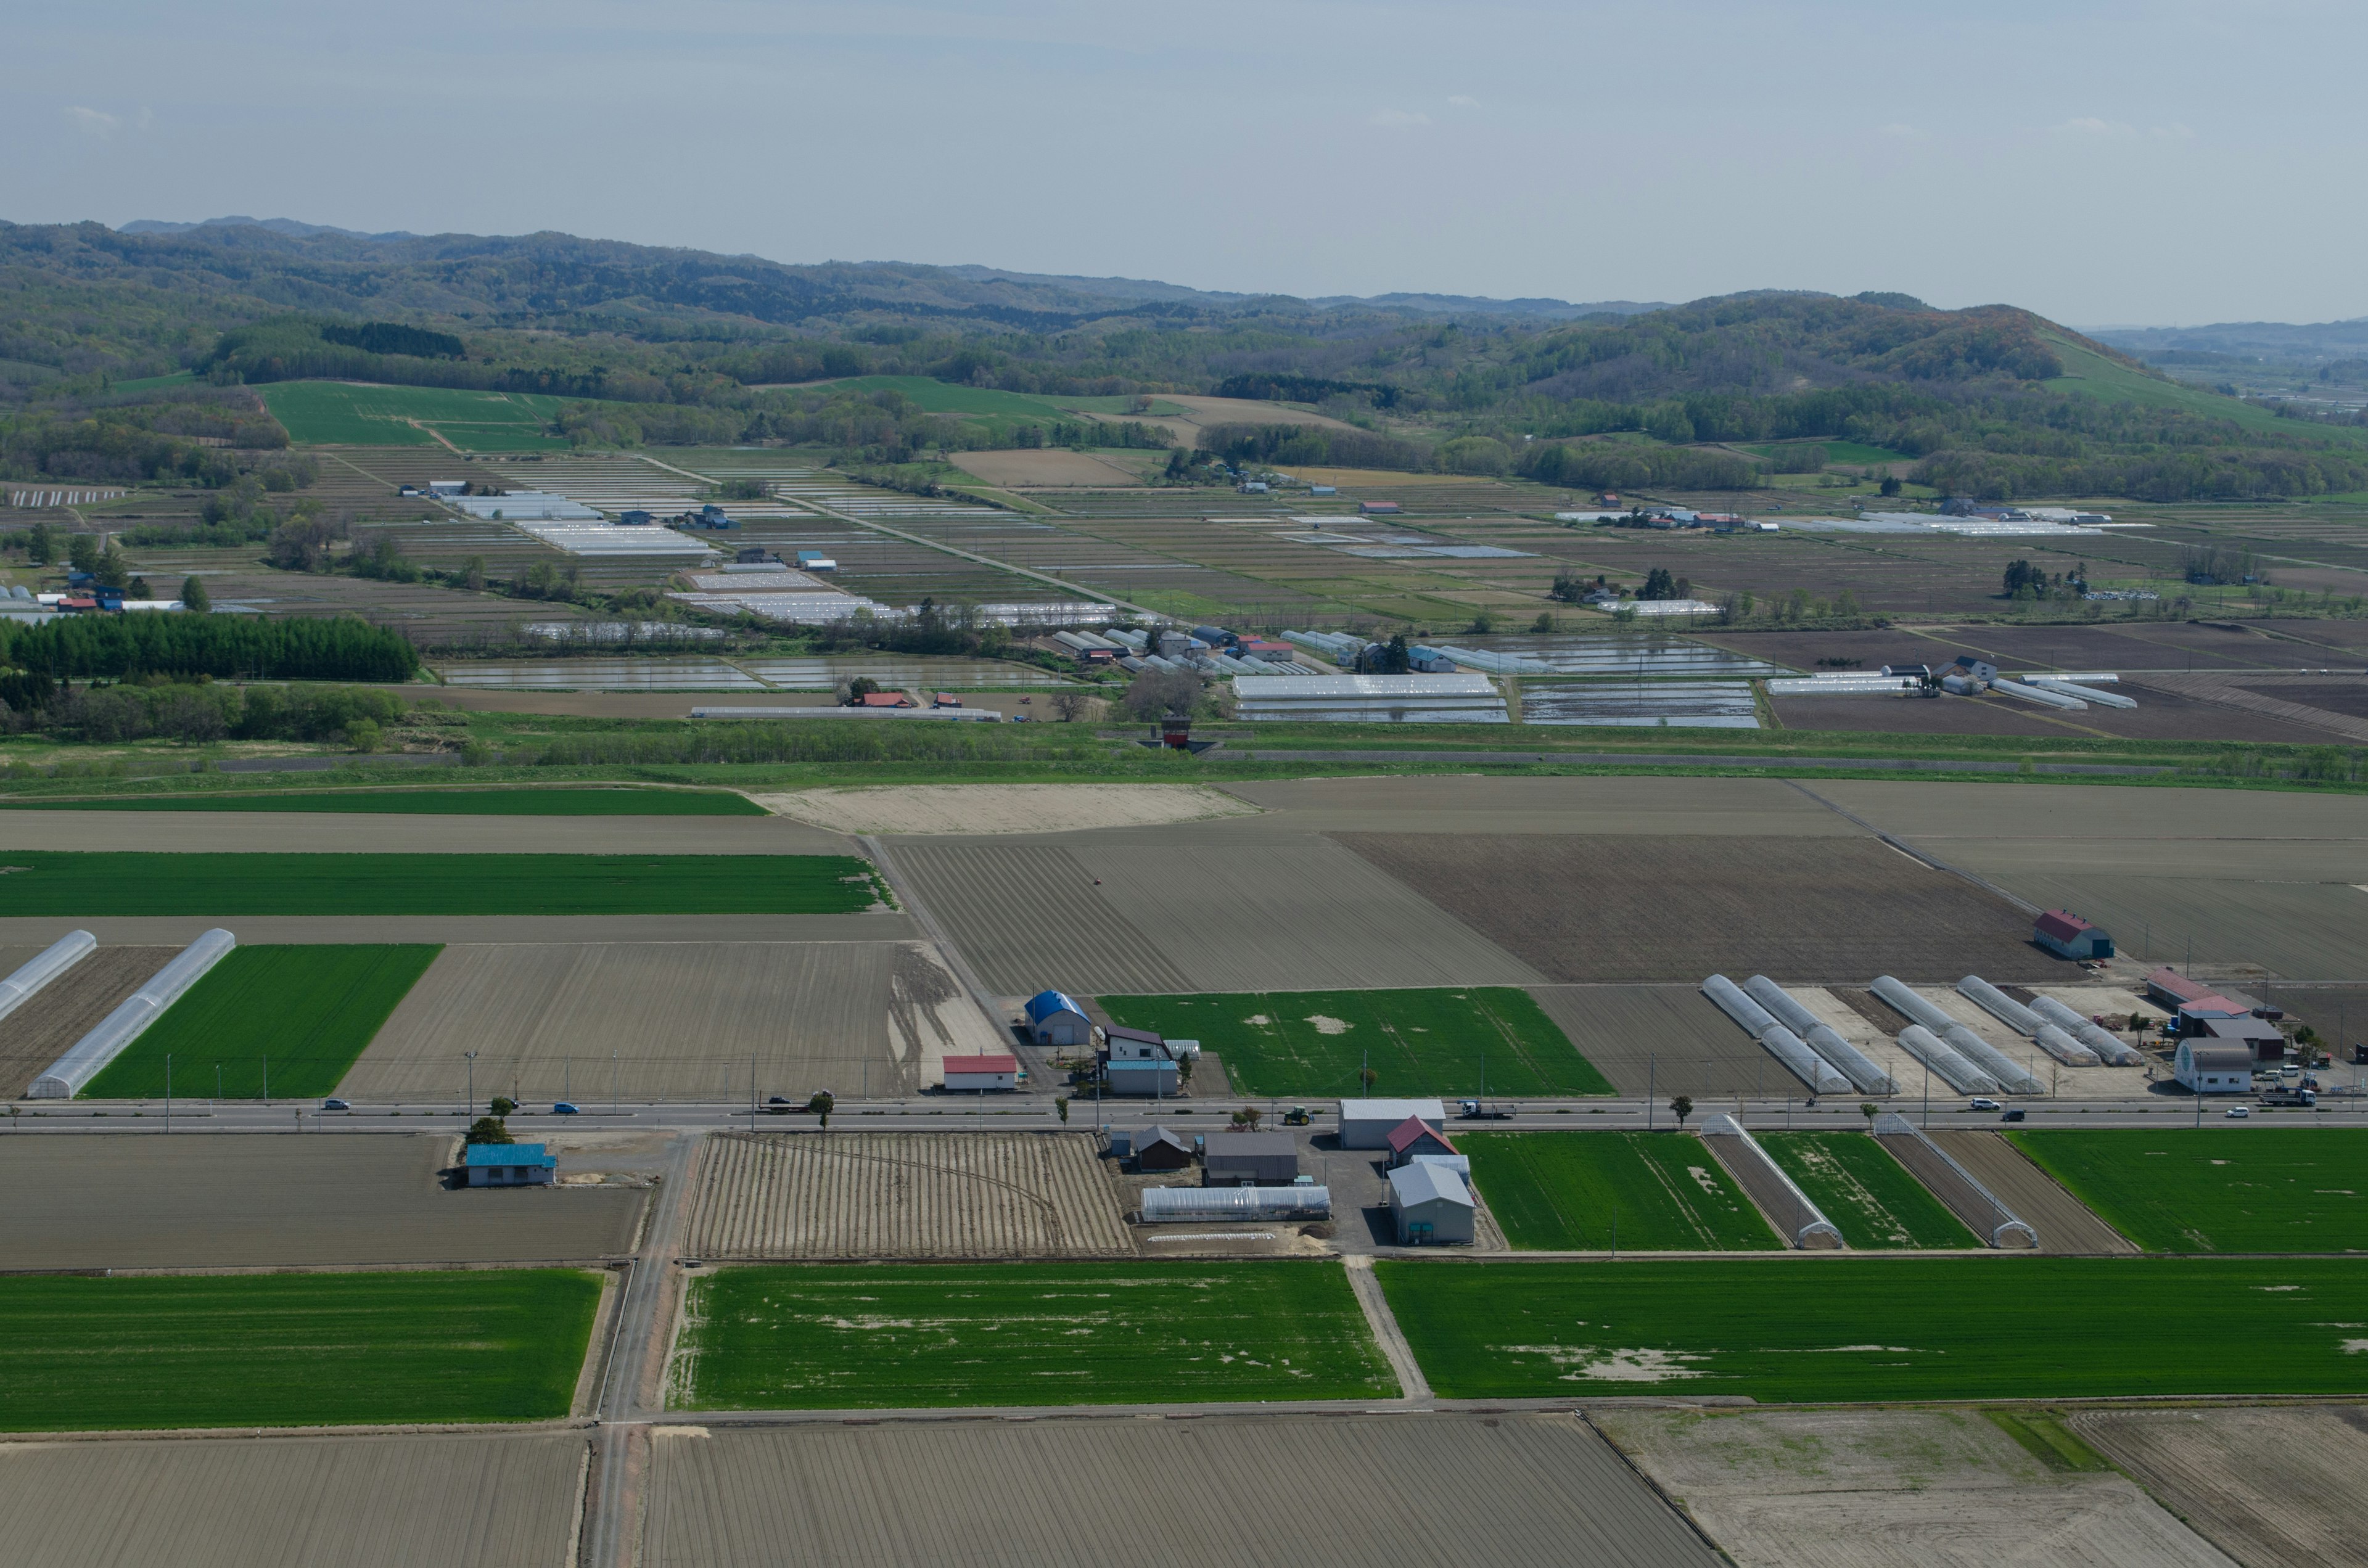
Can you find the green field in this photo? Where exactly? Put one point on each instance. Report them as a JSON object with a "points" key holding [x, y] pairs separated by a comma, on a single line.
{"points": [[1845, 1329], [1418, 1042], [81, 883], [291, 1349], [2218, 1189], [1864, 1191], [297, 1014], [523, 802], [1562, 1191], [1017, 1334], [1857, 452], [321, 413]]}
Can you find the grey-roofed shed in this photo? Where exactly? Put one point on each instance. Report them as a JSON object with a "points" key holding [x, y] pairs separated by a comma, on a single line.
{"points": [[1161, 1149], [1253, 1159], [1431, 1204]]}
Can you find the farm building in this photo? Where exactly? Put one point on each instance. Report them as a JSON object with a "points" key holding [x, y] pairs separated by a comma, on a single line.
{"points": [[1433, 1205], [1251, 1159], [1367, 1124], [1137, 1077], [2061, 931], [1413, 1137], [1161, 1149], [509, 1165], [1167, 1205], [1134, 1045], [1000, 1070], [2213, 1069], [2258, 1038], [1054, 1019], [1378, 508], [2169, 988], [1459, 1163]]}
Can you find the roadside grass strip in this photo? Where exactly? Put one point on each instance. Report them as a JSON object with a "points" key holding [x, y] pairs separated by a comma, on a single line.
{"points": [[1566, 1191], [297, 1016], [80, 884], [138, 1354], [818, 1337], [1855, 1182], [1417, 1043], [428, 802], [1842, 1329], [2285, 1189]]}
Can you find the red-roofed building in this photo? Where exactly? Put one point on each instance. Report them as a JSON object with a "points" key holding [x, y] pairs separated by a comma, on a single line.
{"points": [[1000, 1070], [2062, 932], [2171, 989], [1414, 1136], [886, 700]]}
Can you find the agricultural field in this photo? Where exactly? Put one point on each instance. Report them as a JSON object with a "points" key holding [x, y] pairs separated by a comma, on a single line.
{"points": [[2268, 1487], [1844, 1329], [1865, 1192], [2065, 1224], [2251, 1189], [49, 1023], [592, 802], [1003, 808], [347, 413], [890, 1337], [1596, 1191], [903, 1195], [157, 1351], [306, 1011], [89, 883], [1416, 1042]]}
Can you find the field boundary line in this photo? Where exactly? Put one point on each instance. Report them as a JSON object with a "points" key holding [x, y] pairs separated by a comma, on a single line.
{"points": [[1674, 1507], [1413, 1387], [920, 912], [1912, 852]]}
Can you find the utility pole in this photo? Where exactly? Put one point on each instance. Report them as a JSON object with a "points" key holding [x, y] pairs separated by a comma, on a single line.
{"points": [[1650, 1090], [470, 1116], [168, 1093]]}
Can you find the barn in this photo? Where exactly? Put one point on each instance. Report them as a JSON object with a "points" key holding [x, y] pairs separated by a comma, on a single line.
{"points": [[1054, 1019], [2066, 934], [1415, 1137], [997, 1071], [1250, 1159], [1431, 1204], [1161, 1149]]}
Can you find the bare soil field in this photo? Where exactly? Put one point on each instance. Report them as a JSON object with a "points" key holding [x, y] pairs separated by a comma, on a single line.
{"points": [[1603, 807], [49, 1022], [2063, 1222], [1003, 808], [1662, 1040], [206, 833], [1051, 467], [2162, 716], [459, 1500], [802, 1198], [1265, 1492], [179, 930], [237, 1200], [1083, 944], [679, 1020], [1611, 910], [1920, 1489], [2102, 823], [2274, 1488]]}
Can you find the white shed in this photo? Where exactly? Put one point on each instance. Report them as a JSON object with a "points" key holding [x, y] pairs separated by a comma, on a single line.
{"points": [[1367, 1124], [1000, 1070], [2210, 1069], [1432, 1205]]}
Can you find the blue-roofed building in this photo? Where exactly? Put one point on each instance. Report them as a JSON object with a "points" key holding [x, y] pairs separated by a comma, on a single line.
{"points": [[509, 1165], [1054, 1018]]}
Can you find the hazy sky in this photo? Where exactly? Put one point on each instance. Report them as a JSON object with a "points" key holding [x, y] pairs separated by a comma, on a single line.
{"points": [[2150, 161]]}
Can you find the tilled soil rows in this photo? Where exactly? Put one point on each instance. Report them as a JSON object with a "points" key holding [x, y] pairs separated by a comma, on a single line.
{"points": [[2274, 1488], [68, 1007]]}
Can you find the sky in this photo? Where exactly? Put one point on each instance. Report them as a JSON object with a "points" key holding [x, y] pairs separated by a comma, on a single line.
{"points": [[2145, 162]]}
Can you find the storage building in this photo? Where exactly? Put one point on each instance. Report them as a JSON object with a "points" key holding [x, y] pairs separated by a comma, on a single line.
{"points": [[1155, 1077], [1161, 1149], [1250, 1159], [1000, 1070], [2258, 1038], [2168, 988], [2210, 1069], [509, 1165], [1054, 1019], [1367, 1124], [2062, 932], [1134, 1045], [1413, 1137], [1433, 1205]]}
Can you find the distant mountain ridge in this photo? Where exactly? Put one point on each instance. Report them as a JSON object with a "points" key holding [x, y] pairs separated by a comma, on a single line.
{"points": [[277, 226], [2267, 340]]}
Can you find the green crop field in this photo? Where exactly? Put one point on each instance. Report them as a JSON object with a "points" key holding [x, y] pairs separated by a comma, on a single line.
{"points": [[292, 1350], [290, 1020], [944, 397], [83, 883], [1837, 451], [1563, 1192], [428, 802], [2218, 1189], [1012, 1334], [319, 413], [1843, 1329], [1418, 1042], [1864, 1191]]}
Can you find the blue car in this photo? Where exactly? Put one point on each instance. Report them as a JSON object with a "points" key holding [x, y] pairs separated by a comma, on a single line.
{"points": [[563, 1109]]}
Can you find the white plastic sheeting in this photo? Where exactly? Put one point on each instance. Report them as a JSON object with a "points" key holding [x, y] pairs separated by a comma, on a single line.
{"points": [[1166, 1205], [1824, 1039], [1779, 1041], [1756, 1019], [2085, 693], [53, 962], [77, 1067], [1777, 1194], [2039, 695], [1955, 1070], [2010, 1075], [2025, 1022], [2109, 1050], [1953, 1185]]}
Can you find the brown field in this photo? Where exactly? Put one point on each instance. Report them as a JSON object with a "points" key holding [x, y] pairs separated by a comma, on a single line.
{"points": [[2273, 1488], [50, 1021], [1605, 807], [1049, 466], [208, 833], [804, 1197], [1663, 1040], [683, 1020], [1087, 946], [1868, 1489], [459, 1500], [1610, 910], [272, 1199], [1311, 1491], [2063, 1222], [1003, 808], [2162, 715]]}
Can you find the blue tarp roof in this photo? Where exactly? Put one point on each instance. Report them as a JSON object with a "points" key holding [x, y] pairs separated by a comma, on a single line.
{"points": [[1046, 1003], [509, 1154]]}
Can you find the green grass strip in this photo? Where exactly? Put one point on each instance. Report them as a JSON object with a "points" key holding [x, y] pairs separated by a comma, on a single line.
{"points": [[1566, 1192], [1855, 1182], [618, 802], [2290, 1189], [1851, 1329], [292, 1350], [295, 1016], [78, 885], [1417, 1043], [1027, 1333]]}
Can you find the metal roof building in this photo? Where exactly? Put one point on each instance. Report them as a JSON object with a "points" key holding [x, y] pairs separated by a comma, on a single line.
{"points": [[997, 1070], [2061, 931], [2213, 1069], [1367, 1124], [1433, 1205], [1054, 1018], [1161, 1149], [509, 1165], [1250, 1159], [1414, 1136]]}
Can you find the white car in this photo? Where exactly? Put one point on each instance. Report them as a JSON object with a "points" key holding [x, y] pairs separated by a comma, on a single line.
{"points": [[1982, 1102], [2238, 1111]]}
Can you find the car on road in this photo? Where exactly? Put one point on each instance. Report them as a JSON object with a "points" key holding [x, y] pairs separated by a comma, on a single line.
{"points": [[1982, 1102], [2239, 1112], [563, 1107], [2011, 1113], [335, 1105]]}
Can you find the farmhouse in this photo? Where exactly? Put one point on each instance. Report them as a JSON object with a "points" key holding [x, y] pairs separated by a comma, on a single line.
{"points": [[2060, 931], [1413, 1137], [1000, 1070], [509, 1165], [1251, 1159], [1367, 1124], [2211, 1069], [1054, 1019], [1433, 1205]]}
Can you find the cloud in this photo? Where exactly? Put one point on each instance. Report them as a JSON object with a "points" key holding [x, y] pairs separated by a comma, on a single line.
{"points": [[1899, 132], [1398, 117], [2171, 133], [2112, 130], [1460, 101], [93, 123]]}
